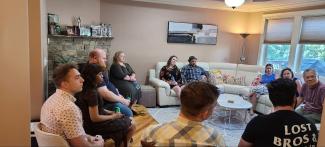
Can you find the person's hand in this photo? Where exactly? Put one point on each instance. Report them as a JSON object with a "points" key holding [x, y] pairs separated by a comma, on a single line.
{"points": [[127, 78], [97, 140], [116, 115], [108, 111], [174, 83], [204, 78], [133, 78], [125, 102]]}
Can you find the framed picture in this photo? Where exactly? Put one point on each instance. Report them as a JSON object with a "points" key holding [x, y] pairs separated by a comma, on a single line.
{"points": [[85, 31], [96, 31], [192, 33], [70, 30]]}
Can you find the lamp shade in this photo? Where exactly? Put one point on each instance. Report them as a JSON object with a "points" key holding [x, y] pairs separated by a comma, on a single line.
{"points": [[234, 3]]}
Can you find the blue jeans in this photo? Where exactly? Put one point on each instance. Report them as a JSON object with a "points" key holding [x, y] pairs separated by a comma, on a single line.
{"points": [[124, 109]]}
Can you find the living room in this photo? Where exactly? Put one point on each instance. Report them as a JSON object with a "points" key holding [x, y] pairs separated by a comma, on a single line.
{"points": [[140, 30]]}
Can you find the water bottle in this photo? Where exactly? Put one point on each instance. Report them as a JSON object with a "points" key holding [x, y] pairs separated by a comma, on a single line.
{"points": [[117, 110]]}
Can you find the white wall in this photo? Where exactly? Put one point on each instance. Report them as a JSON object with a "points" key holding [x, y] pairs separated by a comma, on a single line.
{"points": [[140, 30], [87, 10]]}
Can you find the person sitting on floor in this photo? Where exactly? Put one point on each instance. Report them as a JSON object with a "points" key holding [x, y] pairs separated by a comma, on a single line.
{"points": [[312, 96], [59, 113], [198, 99], [283, 127], [171, 74], [193, 72], [98, 120]]}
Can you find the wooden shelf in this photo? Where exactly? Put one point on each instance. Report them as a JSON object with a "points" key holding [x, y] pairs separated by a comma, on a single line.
{"points": [[86, 37]]}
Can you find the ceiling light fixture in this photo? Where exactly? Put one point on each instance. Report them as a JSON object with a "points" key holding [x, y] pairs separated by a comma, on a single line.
{"points": [[234, 3]]}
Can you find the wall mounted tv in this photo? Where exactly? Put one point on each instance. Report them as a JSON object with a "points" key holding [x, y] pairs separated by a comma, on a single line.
{"points": [[192, 33]]}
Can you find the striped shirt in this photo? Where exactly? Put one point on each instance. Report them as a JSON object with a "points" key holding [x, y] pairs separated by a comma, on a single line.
{"points": [[182, 132]]}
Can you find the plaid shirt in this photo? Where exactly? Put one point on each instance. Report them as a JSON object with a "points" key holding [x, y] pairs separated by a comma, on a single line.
{"points": [[192, 73], [182, 132]]}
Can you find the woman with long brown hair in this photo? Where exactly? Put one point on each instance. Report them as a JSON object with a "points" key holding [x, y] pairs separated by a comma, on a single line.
{"points": [[171, 74]]}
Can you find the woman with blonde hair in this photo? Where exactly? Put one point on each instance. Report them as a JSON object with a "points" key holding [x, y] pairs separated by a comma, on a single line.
{"points": [[123, 77]]}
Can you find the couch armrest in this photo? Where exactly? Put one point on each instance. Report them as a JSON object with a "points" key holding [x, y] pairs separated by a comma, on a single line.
{"points": [[159, 84], [152, 73]]}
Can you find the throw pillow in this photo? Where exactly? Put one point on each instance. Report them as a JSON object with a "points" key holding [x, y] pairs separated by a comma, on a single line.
{"points": [[215, 77], [228, 79]]}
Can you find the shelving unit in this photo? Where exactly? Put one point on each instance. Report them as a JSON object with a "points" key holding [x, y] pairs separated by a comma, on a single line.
{"points": [[90, 37]]}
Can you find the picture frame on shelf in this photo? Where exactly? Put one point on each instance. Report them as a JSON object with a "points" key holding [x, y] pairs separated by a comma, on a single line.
{"points": [[85, 31], [70, 31], [96, 31]]}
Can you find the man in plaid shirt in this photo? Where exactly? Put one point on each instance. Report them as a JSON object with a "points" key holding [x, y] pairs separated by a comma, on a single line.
{"points": [[198, 99], [192, 72]]}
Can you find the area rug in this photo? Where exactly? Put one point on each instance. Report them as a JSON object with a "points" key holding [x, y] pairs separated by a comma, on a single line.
{"points": [[232, 132]]}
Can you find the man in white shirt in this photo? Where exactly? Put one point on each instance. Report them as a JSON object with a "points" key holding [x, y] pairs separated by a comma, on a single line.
{"points": [[60, 115]]}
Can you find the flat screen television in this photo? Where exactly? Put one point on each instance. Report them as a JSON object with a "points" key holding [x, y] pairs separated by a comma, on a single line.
{"points": [[192, 33]]}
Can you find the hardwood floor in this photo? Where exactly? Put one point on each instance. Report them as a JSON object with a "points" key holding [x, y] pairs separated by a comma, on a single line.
{"points": [[141, 122]]}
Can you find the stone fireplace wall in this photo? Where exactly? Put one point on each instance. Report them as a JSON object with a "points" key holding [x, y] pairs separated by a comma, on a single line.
{"points": [[66, 49]]}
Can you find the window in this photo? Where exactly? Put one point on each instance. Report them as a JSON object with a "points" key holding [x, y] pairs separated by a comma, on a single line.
{"points": [[295, 40], [277, 42], [313, 42], [313, 57], [278, 30], [278, 55]]}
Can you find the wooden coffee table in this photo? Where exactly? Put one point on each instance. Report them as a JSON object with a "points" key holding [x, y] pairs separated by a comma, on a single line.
{"points": [[232, 102]]}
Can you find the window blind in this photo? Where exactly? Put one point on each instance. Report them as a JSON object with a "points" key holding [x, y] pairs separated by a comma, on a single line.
{"points": [[278, 31], [313, 30]]}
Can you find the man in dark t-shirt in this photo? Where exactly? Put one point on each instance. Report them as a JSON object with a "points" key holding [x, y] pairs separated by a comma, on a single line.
{"points": [[284, 127]]}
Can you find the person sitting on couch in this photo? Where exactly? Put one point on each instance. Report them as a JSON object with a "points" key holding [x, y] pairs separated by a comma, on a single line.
{"points": [[259, 87], [171, 74], [192, 72]]}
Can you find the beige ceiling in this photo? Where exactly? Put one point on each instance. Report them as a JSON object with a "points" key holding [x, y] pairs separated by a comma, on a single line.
{"points": [[248, 6]]}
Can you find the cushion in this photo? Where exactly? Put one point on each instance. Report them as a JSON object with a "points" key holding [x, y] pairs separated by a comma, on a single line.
{"points": [[215, 77], [229, 79]]}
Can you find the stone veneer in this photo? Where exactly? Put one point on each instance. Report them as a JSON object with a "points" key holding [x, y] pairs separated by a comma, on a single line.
{"points": [[67, 49]]}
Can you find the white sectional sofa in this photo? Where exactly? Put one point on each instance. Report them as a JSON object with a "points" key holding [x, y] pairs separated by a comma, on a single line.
{"points": [[166, 96]]}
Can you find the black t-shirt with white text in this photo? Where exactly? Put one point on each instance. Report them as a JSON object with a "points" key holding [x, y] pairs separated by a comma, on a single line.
{"points": [[282, 128]]}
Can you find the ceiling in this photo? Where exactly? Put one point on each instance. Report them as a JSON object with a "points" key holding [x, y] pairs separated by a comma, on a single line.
{"points": [[248, 6]]}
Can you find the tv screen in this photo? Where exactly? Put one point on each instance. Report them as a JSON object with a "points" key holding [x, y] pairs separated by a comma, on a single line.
{"points": [[192, 33]]}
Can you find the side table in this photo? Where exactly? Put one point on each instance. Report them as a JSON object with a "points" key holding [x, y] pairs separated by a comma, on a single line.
{"points": [[148, 98], [233, 102]]}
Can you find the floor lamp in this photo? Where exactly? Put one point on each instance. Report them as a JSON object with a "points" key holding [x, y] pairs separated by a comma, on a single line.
{"points": [[242, 57]]}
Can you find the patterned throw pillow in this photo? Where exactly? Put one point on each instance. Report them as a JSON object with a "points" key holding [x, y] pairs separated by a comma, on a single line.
{"points": [[215, 77], [228, 79]]}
